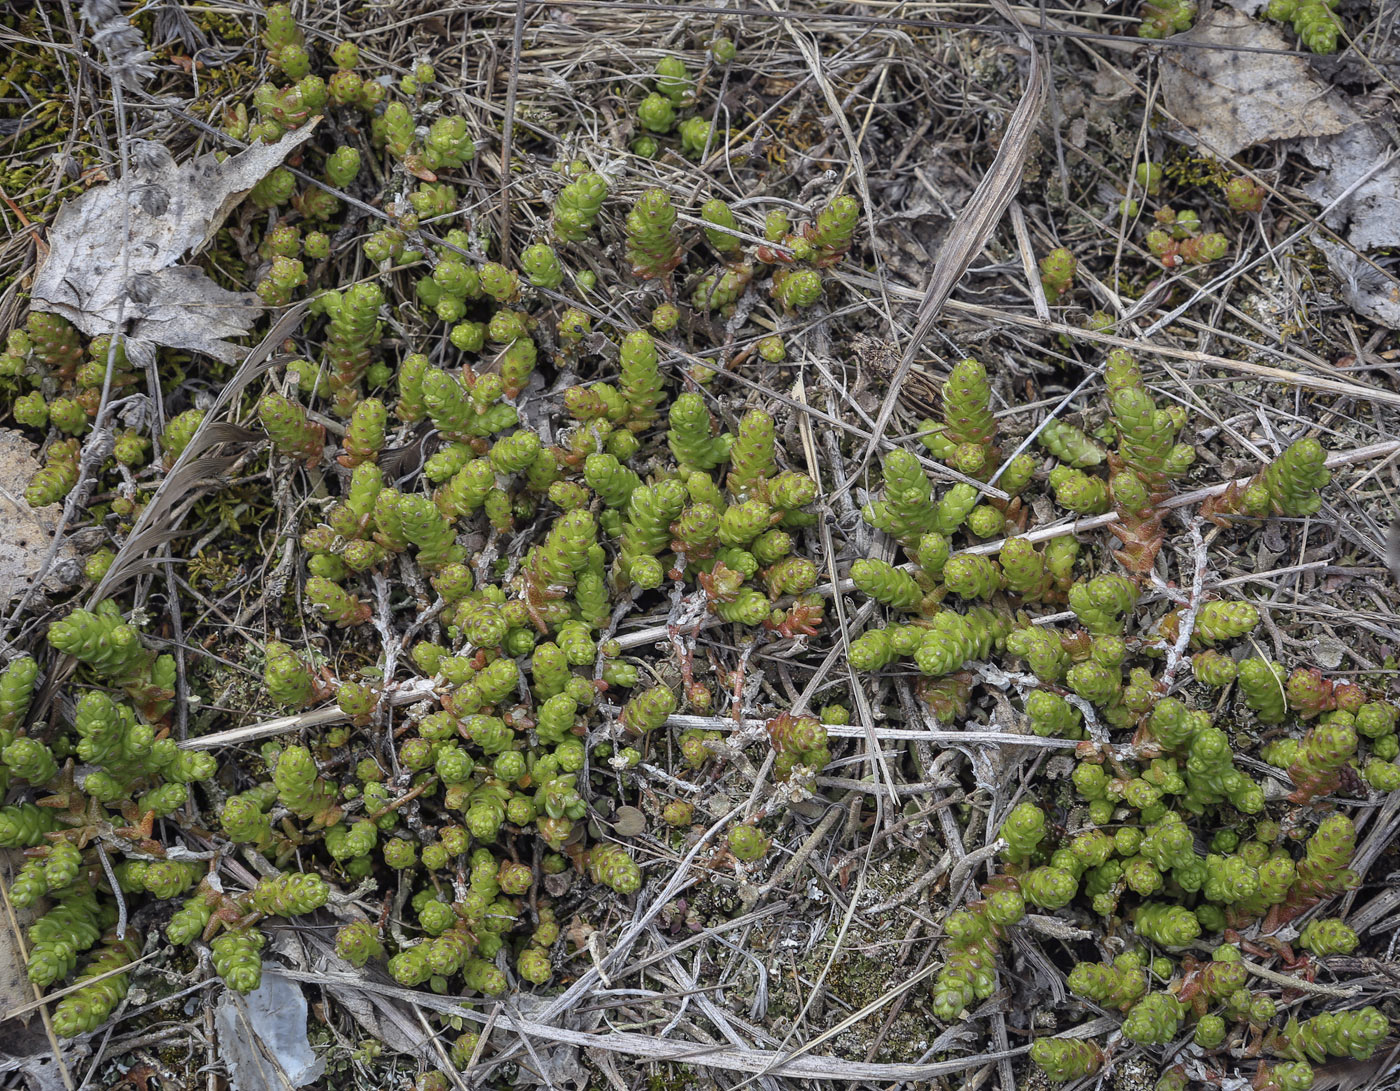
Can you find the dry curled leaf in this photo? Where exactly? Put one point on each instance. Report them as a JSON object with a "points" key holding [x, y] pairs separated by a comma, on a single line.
{"points": [[386, 1020], [262, 1036], [170, 210], [1367, 289], [1239, 83], [383, 1020], [1358, 185]]}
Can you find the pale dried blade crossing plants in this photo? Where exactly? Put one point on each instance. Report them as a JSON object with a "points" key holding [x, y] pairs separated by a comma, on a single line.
{"points": [[975, 223], [155, 525]]}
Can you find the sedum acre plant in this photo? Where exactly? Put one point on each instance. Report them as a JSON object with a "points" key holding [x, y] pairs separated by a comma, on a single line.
{"points": [[1131, 858], [494, 477], [519, 673]]}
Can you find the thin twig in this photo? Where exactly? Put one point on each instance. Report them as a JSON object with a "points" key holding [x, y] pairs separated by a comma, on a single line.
{"points": [[1187, 624], [116, 890]]}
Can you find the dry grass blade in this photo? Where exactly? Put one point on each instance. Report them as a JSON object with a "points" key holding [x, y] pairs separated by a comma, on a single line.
{"points": [[58, 994], [641, 1046], [191, 467], [142, 541], [1340, 387], [1302, 377], [40, 1000], [974, 224]]}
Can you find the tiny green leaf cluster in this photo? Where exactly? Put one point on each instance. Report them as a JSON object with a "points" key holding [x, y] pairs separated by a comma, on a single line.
{"points": [[1314, 21], [1129, 854], [1162, 18]]}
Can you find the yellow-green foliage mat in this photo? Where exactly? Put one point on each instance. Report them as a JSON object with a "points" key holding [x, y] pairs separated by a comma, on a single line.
{"points": [[527, 625]]}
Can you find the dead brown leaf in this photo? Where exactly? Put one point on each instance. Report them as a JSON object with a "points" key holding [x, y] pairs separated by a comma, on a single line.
{"points": [[170, 210], [1231, 97], [1358, 185]]}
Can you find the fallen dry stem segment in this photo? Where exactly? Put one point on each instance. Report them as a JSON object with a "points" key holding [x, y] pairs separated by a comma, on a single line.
{"points": [[1316, 988], [643, 1047], [422, 687]]}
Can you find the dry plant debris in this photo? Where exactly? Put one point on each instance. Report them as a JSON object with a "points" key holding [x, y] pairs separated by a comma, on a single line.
{"points": [[582, 637], [166, 211], [1228, 97]]}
